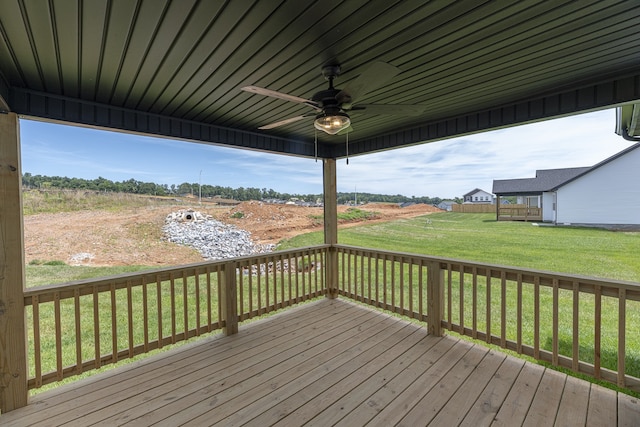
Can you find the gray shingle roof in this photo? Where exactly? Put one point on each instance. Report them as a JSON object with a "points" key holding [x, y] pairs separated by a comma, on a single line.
{"points": [[474, 191], [549, 179], [545, 180]]}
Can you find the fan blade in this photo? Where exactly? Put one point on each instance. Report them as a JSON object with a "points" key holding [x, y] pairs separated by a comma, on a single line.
{"points": [[372, 78], [280, 95], [285, 122], [390, 109]]}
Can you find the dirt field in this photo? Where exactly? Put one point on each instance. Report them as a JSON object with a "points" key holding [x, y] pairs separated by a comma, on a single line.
{"points": [[135, 237]]}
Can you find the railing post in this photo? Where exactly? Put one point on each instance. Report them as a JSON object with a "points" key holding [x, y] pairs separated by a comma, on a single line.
{"points": [[13, 343], [330, 225], [435, 298], [229, 299]]}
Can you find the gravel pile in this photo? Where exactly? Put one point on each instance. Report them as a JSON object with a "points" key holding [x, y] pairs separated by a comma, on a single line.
{"points": [[212, 238]]}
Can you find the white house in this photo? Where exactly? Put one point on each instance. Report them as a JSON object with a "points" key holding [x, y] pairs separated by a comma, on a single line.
{"points": [[478, 196], [606, 194]]}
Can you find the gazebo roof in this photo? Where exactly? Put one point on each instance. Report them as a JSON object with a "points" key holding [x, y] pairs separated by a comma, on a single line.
{"points": [[175, 69]]}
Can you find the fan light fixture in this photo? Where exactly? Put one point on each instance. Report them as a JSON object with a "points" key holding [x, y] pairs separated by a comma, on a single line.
{"points": [[332, 122]]}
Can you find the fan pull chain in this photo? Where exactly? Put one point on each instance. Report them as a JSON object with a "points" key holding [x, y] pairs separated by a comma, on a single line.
{"points": [[347, 148], [316, 145]]}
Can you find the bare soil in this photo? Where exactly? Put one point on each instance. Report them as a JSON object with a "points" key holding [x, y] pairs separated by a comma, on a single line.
{"points": [[134, 237]]}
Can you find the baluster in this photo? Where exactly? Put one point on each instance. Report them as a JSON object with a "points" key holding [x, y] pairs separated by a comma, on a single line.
{"points": [[575, 347], [555, 316], [76, 307], [197, 293], [159, 299], [461, 306], [536, 317], [519, 315], [114, 324], [449, 296], [488, 307], [185, 304], [145, 314], [503, 309], [172, 285], [96, 327], [130, 317], [37, 346], [597, 331], [474, 304], [622, 328]]}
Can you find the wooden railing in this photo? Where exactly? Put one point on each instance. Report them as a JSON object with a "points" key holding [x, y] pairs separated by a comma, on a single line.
{"points": [[569, 321], [519, 212], [84, 325]]}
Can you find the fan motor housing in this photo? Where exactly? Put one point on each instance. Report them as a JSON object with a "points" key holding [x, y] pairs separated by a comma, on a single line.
{"points": [[326, 97]]}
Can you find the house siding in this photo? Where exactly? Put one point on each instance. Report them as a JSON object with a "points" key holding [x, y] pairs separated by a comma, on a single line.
{"points": [[607, 195], [479, 197]]}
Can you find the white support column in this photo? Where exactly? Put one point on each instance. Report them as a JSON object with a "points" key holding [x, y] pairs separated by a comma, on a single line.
{"points": [[331, 225], [13, 343]]}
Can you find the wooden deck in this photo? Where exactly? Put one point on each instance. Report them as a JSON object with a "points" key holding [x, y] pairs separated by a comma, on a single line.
{"points": [[330, 362]]}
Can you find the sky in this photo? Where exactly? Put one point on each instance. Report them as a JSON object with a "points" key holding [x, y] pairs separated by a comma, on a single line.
{"points": [[446, 169]]}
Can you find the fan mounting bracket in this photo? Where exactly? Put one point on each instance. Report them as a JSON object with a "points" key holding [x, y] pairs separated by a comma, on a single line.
{"points": [[330, 71]]}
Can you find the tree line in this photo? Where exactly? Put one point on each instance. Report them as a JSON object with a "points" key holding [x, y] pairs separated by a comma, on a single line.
{"points": [[133, 186]]}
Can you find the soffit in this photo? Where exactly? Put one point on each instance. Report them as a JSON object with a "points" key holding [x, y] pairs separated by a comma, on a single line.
{"points": [[176, 68]]}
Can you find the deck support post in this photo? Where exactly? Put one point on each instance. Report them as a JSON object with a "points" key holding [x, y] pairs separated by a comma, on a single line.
{"points": [[13, 334], [229, 299], [435, 298], [330, 225]]}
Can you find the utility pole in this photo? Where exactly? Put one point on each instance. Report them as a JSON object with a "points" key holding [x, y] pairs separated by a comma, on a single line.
{"points": [[200, 188], [355, 192]]}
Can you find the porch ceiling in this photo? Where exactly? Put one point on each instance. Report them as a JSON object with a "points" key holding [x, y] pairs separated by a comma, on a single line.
{"points": [[176, 68]]}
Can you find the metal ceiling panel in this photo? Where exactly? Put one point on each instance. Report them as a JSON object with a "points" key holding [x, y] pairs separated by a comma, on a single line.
{"points": [[175, 68]]}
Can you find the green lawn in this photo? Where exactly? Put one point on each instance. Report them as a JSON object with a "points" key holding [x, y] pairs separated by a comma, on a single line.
{"points": [[479, 237]]}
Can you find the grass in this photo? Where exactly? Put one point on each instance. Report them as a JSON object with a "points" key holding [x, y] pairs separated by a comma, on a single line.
{"points": [[49, 272], [351, 214], [54, 201], [479, 237]]}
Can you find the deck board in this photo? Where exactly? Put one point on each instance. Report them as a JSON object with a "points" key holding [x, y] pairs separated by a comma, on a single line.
{"points": [[574, 403], [329, 362]]}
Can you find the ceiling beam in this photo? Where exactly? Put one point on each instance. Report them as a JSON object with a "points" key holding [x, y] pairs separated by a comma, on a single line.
{"points": [[78, 112]]}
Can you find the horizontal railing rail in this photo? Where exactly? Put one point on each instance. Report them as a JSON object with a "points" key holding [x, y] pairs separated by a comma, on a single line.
{"points": [[570, 321], [84, 325], [519, 212]]}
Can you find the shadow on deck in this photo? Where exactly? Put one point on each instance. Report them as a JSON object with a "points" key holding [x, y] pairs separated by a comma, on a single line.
{"points": [[329, 362]]}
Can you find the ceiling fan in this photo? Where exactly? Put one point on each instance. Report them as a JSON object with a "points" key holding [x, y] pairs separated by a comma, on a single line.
{"points": [[331, 106]]}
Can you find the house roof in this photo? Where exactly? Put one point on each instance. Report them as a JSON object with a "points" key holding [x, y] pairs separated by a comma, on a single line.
{"points": [[550, 179], [474, 191], [175, 69]]}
